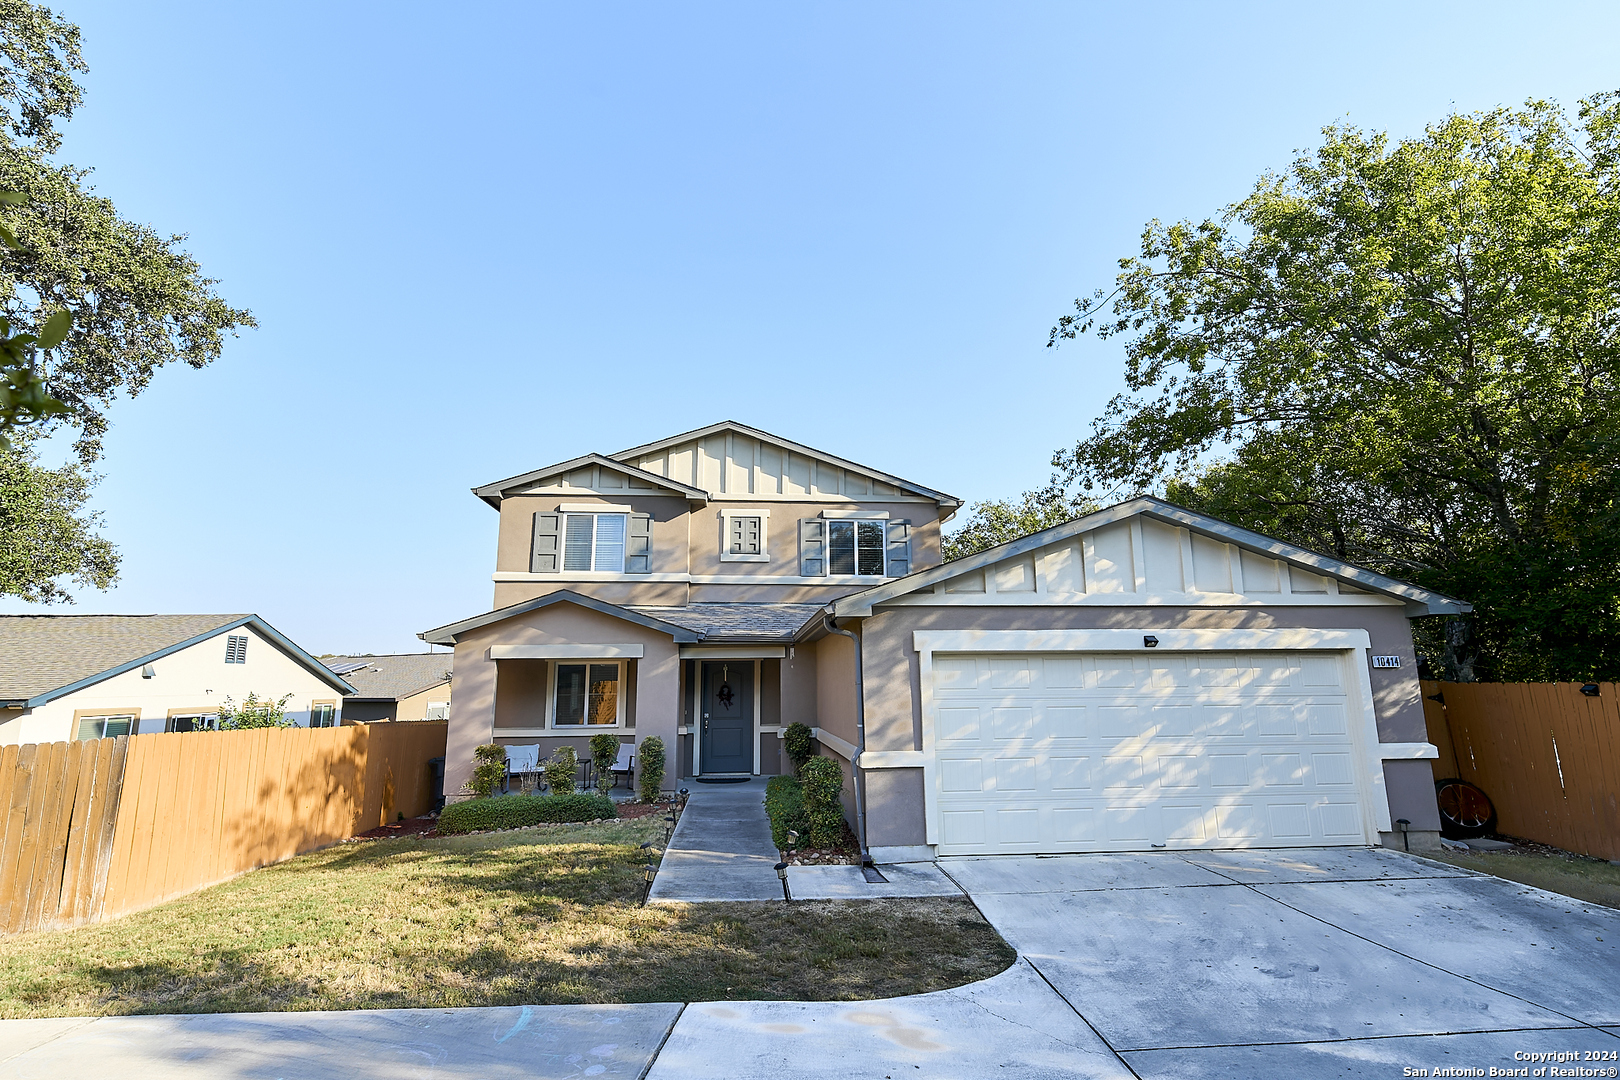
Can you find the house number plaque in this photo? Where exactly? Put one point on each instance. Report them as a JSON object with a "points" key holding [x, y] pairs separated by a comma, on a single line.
{"points": [[1386, 661]]}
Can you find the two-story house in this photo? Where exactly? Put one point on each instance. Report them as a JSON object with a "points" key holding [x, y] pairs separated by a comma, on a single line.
{"points": [[1141, 677]]}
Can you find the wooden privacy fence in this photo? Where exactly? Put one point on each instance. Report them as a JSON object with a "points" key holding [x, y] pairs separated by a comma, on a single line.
{"points": [[1546, 754], [96, 829]]}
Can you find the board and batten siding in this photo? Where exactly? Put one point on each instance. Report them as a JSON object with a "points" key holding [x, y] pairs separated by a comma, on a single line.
{"points": [[1141, 561]]}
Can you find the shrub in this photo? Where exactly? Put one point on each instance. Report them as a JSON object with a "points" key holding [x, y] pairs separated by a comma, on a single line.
{"points": [[489, 769], [516, 811], [560, 769], [796, 741], [254, 712], [651, 755], [823, 782], [604, 752], [784, 806]]}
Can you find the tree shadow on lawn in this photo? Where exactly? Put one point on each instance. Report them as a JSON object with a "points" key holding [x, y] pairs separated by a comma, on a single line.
{"points": [[483, 921]]}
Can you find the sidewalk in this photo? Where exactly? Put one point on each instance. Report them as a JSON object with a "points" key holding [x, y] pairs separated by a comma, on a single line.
{"points": [[542, 1041], [722, 850]]}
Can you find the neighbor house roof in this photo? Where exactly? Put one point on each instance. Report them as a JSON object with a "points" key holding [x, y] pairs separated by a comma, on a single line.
{"points": [[775, 623], [43, 657], [392, 677], [1418, 600]]}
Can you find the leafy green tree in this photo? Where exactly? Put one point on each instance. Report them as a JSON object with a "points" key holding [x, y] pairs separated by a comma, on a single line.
{"points": [[1403, 353], [996, 521], [137, 300], [47, 535]]}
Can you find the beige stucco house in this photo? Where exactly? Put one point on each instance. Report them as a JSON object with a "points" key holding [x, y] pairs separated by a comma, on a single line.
{"points": [[66, 677], [394, 687], [1142, 677]]}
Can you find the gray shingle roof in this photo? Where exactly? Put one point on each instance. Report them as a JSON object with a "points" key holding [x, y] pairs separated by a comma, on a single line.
{"points": [[777, 623], [392, 677], [41, 653]]}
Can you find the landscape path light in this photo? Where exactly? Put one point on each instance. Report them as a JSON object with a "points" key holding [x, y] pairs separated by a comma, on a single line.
{"points": [[781, 872], [647, 873]]}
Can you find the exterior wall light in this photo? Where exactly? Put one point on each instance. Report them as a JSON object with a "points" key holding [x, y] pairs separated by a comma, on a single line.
{"points": [[1590, 689], [1149, 641], [1404, 825]]}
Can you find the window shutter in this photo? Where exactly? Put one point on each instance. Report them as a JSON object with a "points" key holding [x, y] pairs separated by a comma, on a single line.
{"points": [[638, 545], [813, 547], [545, 557], [899, 548]]}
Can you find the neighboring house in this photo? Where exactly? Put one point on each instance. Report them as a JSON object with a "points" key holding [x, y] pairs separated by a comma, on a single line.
{"points": [[405, 686], [65, 677], [1141, 677]]}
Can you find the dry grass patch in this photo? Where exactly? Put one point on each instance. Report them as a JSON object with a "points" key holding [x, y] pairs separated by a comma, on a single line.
{"points": [[542, 917], [1592, 880]]}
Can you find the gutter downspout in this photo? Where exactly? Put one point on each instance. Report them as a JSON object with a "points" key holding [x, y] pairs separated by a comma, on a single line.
{"points": [[860, 740]]}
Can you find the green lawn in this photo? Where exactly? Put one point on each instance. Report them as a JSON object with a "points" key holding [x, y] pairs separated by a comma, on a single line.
{"points": [[1592, 880], [534, 917]]}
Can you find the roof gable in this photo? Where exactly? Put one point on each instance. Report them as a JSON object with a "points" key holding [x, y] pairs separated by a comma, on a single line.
{"points": [[596, 473], [733, 459], [43, 657], [1147, 551], [446, 635]]}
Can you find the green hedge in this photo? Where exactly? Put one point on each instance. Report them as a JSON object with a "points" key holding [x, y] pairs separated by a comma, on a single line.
{"points": [[784, 805], [823, 784], [516, 811]]}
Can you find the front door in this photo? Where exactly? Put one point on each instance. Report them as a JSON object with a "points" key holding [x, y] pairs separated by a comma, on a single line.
{"points": [[728, 717]]}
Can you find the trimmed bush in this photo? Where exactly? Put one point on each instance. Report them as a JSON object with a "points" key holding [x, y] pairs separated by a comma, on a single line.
{"points": [[489, 769], [784, 806], [604, 752], [560, 769], [823, 782], [796, 741], [650, 756], [516, 811]]}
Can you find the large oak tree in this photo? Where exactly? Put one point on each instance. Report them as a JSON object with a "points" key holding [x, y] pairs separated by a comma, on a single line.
{"points": [[138, 302], [1403, 353]]}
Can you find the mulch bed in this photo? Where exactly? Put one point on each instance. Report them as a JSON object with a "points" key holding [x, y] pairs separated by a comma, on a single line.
{"points": [[846, 853], [421, 826]]}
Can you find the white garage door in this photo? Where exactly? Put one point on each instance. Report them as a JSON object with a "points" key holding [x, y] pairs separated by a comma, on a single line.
{"points": [[1130, 751]]}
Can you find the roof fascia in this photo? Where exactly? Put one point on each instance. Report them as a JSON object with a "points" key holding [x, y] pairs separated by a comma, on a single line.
{"points": [[1419, 601], [446, 635], [788, 444], [493, 493], [315, 666]]}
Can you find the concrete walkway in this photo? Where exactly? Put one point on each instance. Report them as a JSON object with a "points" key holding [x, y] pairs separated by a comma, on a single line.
{"points": [[722, 850], [543, 1041]]}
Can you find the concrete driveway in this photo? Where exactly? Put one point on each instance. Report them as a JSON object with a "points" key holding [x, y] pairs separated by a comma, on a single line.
{"points": [[1343, 962]]}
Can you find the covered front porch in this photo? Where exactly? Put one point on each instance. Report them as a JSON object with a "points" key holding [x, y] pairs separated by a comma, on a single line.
{"points": [[565, 667]]}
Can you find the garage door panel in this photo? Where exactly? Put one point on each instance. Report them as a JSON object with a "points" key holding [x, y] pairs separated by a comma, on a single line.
{"points": [[1097, 752]]}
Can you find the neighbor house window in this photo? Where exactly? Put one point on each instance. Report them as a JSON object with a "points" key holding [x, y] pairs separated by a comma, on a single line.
{"points": [[322, 714], [235, 650], [437, 710], [191, 722], [105, 727], [587, 694], [855, 547], [594, 542], [742, 535]]}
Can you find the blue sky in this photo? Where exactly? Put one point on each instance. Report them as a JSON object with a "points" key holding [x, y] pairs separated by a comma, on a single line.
{"points": [[482, 238]]}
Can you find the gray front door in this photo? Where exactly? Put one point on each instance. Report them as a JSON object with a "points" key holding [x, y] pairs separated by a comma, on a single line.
{"points": [[728, 717]]}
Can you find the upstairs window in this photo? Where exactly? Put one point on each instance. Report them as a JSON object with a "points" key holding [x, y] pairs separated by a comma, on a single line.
{"points": [[855, 548], [235, 650], [743, 535], [594, 542]]}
